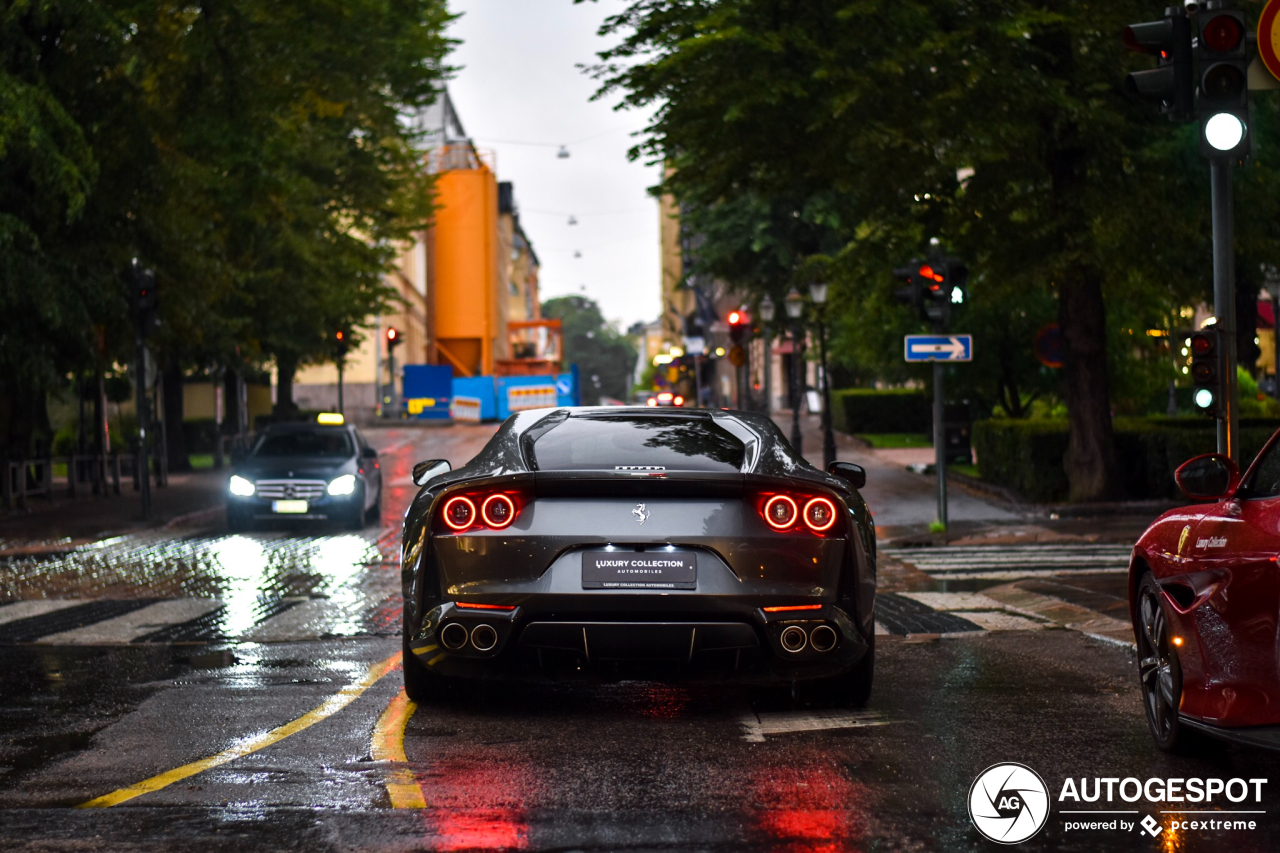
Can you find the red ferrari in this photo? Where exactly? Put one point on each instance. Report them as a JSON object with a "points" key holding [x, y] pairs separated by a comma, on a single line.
{"points": [[1204, 594]]}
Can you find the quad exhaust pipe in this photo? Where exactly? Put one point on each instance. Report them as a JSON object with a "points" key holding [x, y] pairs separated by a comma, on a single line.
{"points": [[794, 639], [455, 637], [483, 637], [821, 639]]}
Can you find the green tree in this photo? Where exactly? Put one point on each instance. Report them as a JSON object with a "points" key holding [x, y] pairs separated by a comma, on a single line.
{"points": [[605, 358], [998, 127], [253, 153]]}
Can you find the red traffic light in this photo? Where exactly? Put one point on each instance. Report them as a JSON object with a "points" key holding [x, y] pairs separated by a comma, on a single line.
{"points": [[735, 318], [392, 334], [340, 336], [1201, 344], [930, 273], [1222, 34]]}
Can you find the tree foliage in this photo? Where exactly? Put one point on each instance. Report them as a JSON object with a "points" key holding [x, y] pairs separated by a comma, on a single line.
{"points": [[604, 357], [253, 153], [997, 127]]}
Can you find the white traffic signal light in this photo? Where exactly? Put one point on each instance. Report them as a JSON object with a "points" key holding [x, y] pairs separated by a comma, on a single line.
{"points": [[1223, 52]]}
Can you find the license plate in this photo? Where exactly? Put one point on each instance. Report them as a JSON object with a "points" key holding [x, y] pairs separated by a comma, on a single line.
{"points": [[289, 506], [639, 570]]}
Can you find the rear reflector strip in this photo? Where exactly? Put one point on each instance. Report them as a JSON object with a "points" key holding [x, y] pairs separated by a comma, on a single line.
{"points": [[468, 606], [794, 607]]}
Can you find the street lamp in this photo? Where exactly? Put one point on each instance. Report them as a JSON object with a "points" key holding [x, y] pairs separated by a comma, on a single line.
{"points": [[818, 293], [794, 303], [767, 312]]}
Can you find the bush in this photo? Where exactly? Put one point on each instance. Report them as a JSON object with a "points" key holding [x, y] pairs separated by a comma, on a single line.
{"points": [[1026, 456], [859, 410]]}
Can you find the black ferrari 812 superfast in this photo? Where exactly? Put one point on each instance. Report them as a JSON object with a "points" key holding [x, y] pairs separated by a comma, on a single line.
{"points": [[640, 542]]}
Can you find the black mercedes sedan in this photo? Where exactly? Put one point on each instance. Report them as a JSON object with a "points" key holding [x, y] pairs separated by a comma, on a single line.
{"points": [[321, 470], [639, 542]]}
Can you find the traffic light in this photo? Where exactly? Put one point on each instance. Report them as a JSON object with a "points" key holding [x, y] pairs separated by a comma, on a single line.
{"points": [[1223, 51], [341, 344], [1206, 370], [393, 339], [934, 287], [1171, 83], [912, 293], [143, 300], [738, 322]]}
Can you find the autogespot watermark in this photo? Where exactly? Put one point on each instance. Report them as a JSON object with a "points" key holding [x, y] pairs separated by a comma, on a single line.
{"points": [[1009, 803]]}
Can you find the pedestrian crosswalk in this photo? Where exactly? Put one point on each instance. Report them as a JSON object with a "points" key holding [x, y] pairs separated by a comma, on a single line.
{"points": [[156, 588], [1009, 562], [76, 622]]}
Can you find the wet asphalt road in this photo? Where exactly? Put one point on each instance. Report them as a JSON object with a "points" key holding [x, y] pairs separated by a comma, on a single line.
{"points": [[243, 693]]}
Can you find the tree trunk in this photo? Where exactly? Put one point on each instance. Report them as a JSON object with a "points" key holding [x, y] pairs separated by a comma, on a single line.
{"points": [[1090, 461], [175, 440], [286, 367]]}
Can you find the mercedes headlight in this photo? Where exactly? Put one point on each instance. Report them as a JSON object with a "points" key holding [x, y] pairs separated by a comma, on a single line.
{"points": [[240, 487], [344, 485]]}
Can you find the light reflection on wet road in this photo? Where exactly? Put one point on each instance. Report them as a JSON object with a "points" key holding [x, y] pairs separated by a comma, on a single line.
{"points": [[211, 642]]}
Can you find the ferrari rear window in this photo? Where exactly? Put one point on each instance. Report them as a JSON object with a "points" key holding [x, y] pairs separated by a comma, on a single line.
{"points": [[611, 443]]}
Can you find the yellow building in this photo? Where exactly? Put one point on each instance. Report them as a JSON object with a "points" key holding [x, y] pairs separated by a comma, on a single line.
{"points": [[458, 284]]}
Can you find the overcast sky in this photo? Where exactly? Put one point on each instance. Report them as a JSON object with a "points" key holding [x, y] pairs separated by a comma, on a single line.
{"points": [[518, 84]]}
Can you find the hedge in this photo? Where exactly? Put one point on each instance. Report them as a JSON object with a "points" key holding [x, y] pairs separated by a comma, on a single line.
{"points": [[856, 410], [1027, 455]]}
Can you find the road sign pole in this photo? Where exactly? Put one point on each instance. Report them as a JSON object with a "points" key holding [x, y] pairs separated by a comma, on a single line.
{"points": [[1224, 304], [940, 441]]}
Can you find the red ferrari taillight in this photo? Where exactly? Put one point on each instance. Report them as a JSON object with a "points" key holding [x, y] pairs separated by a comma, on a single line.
{"points": [[459, 512], [819, 514], [678, 401], [783, 512], [780, 512], [498, 511], [494, 510]]}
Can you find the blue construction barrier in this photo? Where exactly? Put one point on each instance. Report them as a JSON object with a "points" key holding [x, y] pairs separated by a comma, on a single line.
{"points": [[427, 391]]}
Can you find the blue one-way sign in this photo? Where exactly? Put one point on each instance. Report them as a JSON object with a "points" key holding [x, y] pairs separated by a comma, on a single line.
{"points": [[939, 347]]}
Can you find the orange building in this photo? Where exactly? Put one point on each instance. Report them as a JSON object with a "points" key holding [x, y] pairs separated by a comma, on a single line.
{"points": [[467, 287]]}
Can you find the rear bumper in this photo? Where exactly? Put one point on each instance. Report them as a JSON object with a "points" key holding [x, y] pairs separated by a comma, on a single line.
{"points": [[539, 639]]}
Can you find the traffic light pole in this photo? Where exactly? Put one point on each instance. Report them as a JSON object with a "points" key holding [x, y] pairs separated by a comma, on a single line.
{"points": [[940, 440], [1224, 304], [144, 414], [341, 409]]}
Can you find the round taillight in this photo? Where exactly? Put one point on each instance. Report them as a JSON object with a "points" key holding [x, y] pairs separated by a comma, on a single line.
{"points": [[780, 512], [819, 514], [679, 401], [459, 512], [498, 511]]}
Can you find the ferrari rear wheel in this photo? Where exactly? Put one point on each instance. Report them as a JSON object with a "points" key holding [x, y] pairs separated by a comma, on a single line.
{"points": [[421, 685], [1159, 673]]}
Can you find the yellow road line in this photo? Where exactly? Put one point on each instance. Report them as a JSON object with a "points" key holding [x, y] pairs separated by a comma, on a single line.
{"points": [[326, 709], [388, 745]]}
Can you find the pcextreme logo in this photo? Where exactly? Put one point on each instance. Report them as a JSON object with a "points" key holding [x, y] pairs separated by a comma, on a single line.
{"points": [[1008, 803]]}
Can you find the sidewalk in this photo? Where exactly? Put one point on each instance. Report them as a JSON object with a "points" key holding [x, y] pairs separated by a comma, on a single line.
{"points": [[190, 500], [904, 503]]}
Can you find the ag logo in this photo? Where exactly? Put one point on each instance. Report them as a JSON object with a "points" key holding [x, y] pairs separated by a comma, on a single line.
{"points": [[1008, 803]]}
